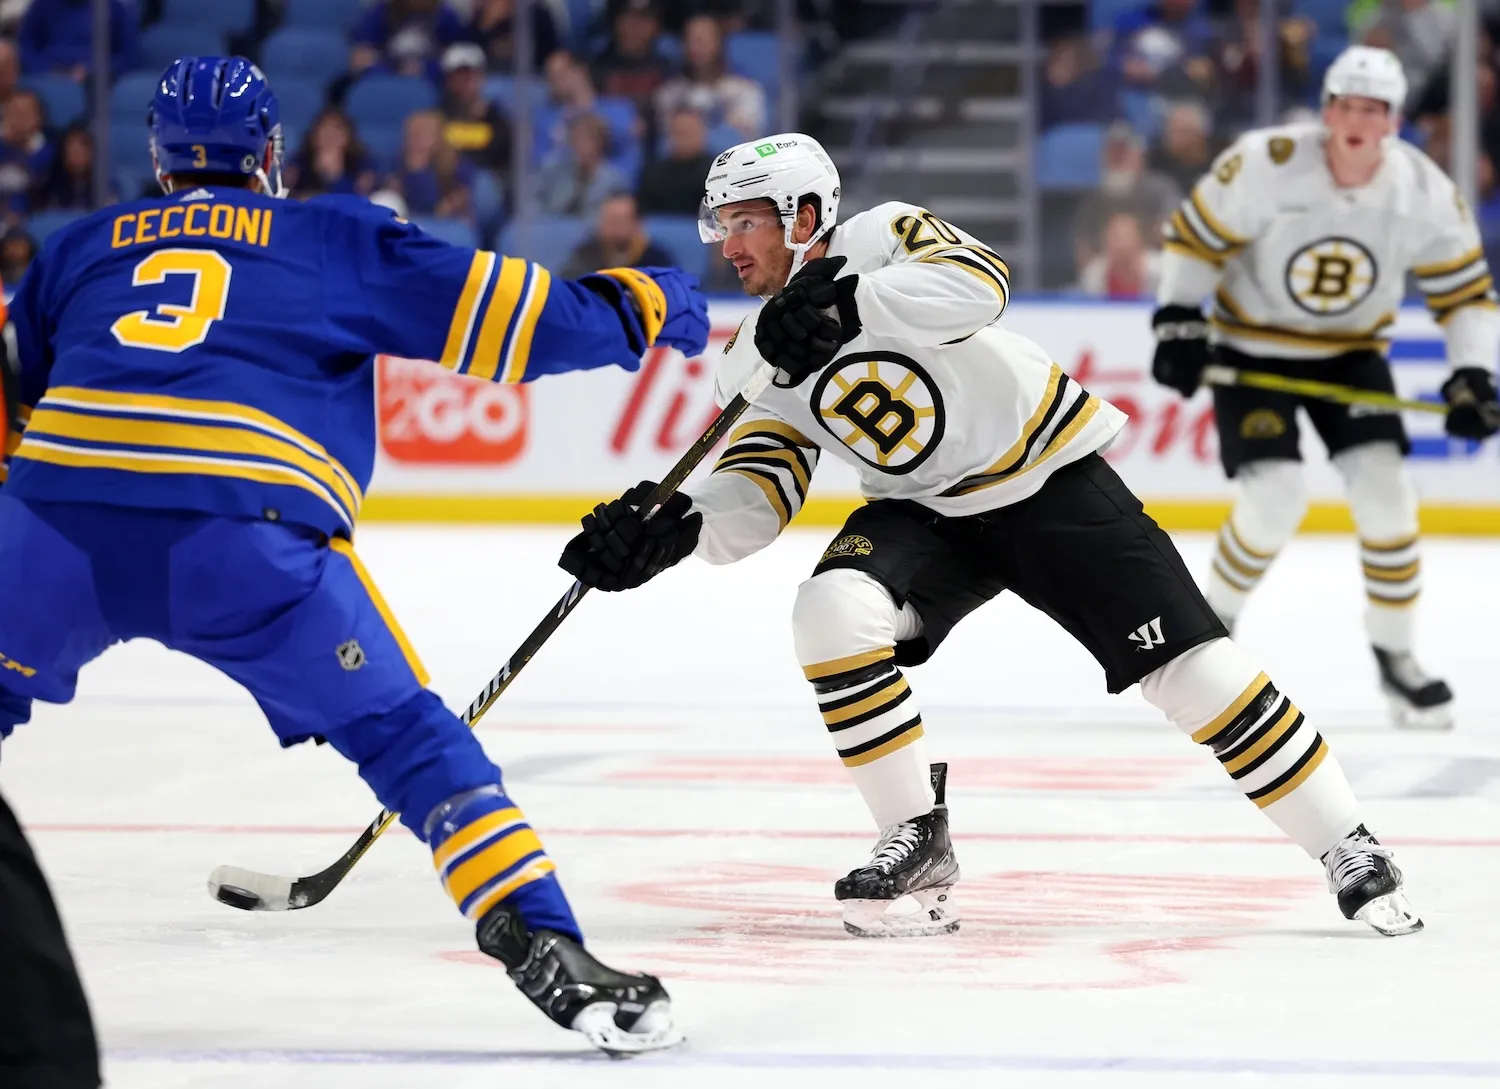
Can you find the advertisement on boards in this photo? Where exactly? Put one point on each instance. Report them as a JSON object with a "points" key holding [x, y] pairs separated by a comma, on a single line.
{"points": [[455, 449]]}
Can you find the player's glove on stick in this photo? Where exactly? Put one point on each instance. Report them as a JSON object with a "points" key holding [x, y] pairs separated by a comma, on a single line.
{"points": [[620, 549], [656, 306], [805, 324], [1182, 349], [1473, 408]]}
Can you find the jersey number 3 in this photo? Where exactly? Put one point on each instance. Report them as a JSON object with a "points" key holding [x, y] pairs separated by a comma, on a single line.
{"points": [[170, 327]]}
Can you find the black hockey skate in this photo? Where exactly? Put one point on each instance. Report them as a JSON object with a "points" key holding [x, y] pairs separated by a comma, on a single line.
{"points": [[619, 1012], [1368, 884], [1417, 701], [905, 890]]}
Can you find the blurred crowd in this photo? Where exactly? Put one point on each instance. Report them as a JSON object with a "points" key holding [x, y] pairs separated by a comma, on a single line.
{"points": [[1136, 100], [413, 103]]}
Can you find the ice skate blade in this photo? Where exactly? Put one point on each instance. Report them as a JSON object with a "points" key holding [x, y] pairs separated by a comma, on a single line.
{"points": [[915, 915], [656, 1031], [1406, 717], [1391, 915]]}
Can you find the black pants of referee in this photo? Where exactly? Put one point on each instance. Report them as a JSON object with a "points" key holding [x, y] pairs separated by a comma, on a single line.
{"points": [[46, 1034]]}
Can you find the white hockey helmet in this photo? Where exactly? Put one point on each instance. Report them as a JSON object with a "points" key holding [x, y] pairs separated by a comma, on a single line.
{"points": [[788, 169], [1367, 72]]}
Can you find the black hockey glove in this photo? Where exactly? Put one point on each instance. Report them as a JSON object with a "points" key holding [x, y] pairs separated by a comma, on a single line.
{"points": [[1473, 409], [805, 324], [620, 549], [1182, 349]]}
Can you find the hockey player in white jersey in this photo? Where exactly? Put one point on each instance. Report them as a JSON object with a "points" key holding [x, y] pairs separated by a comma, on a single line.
{"points": [[980, 461], [1303, 235]]}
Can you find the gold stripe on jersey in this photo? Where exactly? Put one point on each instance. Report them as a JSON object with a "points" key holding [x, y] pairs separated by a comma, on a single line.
{"points": [[1074, 420], [770, 487], [791, 459], [1052, 397], [1184, 236], [486, 361], [769, 428], [1228, 239], [822, 670], [1231, 317], [979, 262], [461, 328], [1449, 267], [153, 433]]}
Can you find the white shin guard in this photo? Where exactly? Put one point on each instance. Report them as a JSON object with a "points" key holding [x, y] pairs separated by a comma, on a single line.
{"points": [[1270, 506], [1217, 696], [846, 626], [1383, 501]]}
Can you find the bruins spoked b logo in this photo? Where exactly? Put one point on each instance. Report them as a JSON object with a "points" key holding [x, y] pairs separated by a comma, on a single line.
{"points": [[1331, 276], [883, 406]]}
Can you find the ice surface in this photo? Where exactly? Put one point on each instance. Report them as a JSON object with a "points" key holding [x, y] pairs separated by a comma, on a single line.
{"points": [[1130, 921]]}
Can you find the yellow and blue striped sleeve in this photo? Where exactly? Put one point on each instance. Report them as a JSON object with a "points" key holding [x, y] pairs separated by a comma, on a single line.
{"points": [[394, 289]]}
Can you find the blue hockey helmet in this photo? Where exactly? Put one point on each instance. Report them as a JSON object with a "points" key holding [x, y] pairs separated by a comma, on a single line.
{"points": [[216, 115]]}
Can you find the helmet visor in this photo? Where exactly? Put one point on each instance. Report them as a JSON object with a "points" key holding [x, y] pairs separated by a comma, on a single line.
{"points": [[717, 224]]}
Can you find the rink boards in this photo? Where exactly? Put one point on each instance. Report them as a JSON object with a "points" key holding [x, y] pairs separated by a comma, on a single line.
{"points": [[455, 451]]}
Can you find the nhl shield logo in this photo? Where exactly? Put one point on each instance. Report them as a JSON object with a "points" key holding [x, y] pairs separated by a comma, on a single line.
{"points": [[351, 655]]}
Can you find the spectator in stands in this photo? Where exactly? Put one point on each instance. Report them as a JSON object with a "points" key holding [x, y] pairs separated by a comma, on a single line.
{"points": [[25, 154], [476, 126], [577, 178], [1126, 269], [1419, 32], [707, 86], [1432, 106], [630, 66], [331, 159], [57, 36], [1185, 150], [493, 26], [619, 240], [405, 37], [431, 176], [1240, 60], [570, 92], [17, 249], [1126, 187], [1075, 90], [10, 70], [69, 185], [673, 184], [1166, 47]]}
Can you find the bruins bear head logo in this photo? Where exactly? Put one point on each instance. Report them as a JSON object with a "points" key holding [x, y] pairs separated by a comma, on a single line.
{"points": [[1263, 423]]}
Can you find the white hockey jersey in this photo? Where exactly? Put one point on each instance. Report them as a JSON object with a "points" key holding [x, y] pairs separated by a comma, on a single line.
{"points": [[932, 402], [1301, 269]]}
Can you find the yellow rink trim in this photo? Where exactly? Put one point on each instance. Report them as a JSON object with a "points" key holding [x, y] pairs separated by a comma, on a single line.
{"points": [[830, 512]]}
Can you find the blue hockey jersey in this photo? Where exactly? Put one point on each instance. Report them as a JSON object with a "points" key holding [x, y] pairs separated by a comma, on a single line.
{"points": [[213, 350]]}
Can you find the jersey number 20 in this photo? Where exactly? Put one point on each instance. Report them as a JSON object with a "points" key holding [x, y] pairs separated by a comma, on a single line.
{"points": [[174, 328]]}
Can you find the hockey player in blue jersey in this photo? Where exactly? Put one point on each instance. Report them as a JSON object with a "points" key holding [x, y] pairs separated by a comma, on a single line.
{"points": [[196, 403]]}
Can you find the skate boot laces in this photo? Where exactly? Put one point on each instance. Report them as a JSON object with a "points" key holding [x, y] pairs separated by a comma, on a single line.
{"points": [[1352, 859], [897, 841]]}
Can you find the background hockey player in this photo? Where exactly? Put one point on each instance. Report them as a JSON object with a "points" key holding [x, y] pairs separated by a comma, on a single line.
{"points": [[980, 461], [198, 377], [1303, 236]]}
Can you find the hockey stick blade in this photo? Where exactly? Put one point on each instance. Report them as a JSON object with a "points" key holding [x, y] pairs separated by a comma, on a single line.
{"points": [[250, 890]]}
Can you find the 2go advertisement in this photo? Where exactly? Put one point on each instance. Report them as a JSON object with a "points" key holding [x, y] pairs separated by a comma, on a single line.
{"points": [[455, 449]]}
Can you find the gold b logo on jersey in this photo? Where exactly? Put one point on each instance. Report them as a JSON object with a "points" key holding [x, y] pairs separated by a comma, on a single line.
{"points": [[883, 406], [1331, 276]]}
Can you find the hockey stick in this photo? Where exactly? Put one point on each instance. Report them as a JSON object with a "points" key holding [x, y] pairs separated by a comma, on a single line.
{"points": [[1219, 375], [250, 890]]}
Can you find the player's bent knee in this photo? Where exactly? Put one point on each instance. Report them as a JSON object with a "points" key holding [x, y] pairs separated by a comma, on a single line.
{"points": [[1199, 686], [1273, 500], [415, 757], [841, 613], [1381, 494]]}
